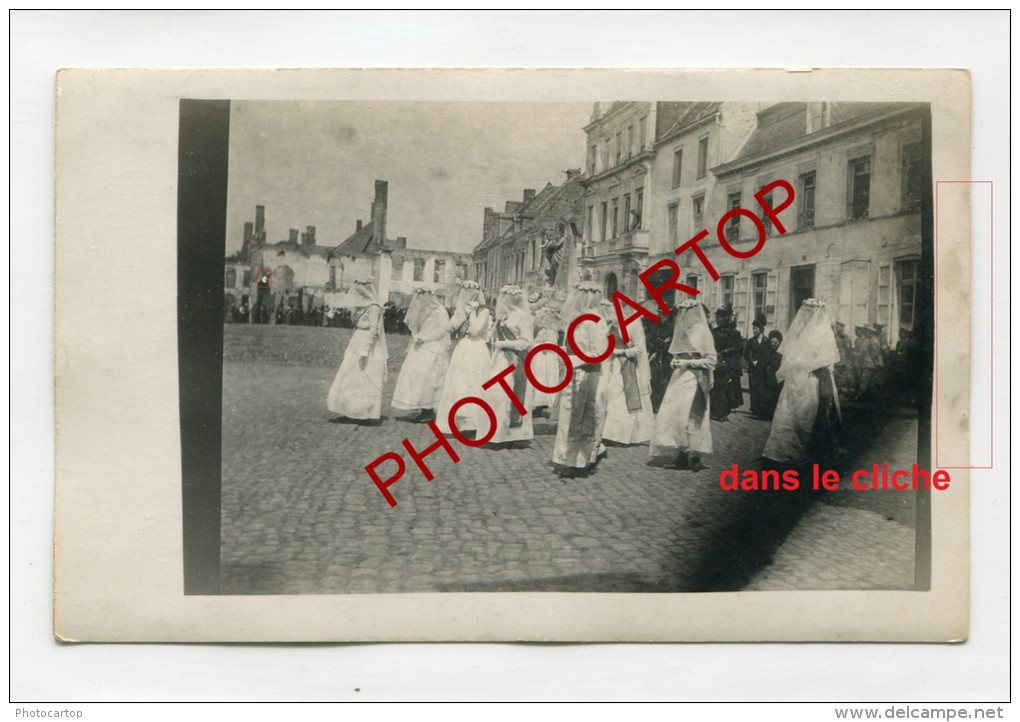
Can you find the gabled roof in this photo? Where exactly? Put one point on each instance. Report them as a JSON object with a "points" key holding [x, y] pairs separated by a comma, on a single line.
{"points": [[785, 123], [362, 241], [689, 114]]}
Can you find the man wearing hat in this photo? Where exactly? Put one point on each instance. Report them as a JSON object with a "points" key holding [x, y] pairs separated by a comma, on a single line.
{"points": [[755, 351], [727, 394]]}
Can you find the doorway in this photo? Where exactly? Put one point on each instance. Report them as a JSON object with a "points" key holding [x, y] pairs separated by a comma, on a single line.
{"points": [[802, 287]]}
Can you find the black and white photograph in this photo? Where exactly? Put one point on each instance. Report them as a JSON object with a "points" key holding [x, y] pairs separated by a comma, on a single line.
{"points": [[383, 261]]}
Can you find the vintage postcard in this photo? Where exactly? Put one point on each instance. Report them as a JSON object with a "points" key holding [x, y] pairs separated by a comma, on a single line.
{"points": [[482, 355]]}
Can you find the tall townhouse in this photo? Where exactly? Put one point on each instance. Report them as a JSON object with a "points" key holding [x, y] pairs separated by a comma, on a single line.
{"points": [[853, 231]]}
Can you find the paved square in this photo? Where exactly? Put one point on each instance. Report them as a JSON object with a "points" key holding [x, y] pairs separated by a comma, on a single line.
{"points": [[301, 516]]}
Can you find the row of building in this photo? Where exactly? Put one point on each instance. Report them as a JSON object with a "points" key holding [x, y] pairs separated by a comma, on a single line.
{"points": [[656, 174]]}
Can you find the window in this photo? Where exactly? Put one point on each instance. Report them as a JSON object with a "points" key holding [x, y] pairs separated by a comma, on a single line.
{"points": [[766, 220], [733, 224], [913, 180], [247, 277], [616, 217], [673, 212], [332, 278], [419, 269], [626, 213], [604, 152], [630, 140], [906, 291], [438, 271], [702, 157], [692, 281], [698, 213], [603, 220], [858, 188], [642, 133], [639, 207], [678, 164], [398, 269], [806, 213], [619, 148], [759, 290], [230, 278], [726, 290]]}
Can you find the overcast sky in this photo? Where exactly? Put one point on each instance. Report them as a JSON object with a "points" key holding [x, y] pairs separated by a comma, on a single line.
{"points": [[314, 163]]}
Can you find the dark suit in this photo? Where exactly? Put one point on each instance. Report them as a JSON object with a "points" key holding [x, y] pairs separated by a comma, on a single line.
{"points": [[755, 351]]}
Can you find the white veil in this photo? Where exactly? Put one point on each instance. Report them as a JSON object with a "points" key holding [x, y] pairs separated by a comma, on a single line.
{"points": [[809, 343]]}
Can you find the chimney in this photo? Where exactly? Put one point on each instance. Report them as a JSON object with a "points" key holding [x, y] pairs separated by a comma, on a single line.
{"points": [[260, 224], [293, 235], [358, 226], [311, 235], [249, 232], [379, 213], [529, 193], [401, 242]]}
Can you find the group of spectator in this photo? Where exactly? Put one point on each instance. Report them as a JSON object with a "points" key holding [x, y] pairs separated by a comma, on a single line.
{"points": [[868, 368]]}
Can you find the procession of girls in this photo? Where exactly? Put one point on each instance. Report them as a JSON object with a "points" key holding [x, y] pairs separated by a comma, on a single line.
{"points": [[452, 355]]}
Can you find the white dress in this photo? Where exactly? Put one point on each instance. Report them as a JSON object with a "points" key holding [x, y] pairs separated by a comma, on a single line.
{"points": [[357, 392], [547, 367], [583, 402], [420, 383], [518, 324], [682, 423], [793, 420], [470, 367], [623, 425]]}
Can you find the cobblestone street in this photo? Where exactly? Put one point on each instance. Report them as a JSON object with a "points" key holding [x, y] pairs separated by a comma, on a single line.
{"points": [[301, 516]]}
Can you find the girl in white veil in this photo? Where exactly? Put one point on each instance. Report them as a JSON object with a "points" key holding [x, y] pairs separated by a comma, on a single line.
{"points": [[805, 417], [629, 416], [683, 430], [421, 377], [513, 335], [547, 366], [470, 363], [357, 389], [582, 414]]}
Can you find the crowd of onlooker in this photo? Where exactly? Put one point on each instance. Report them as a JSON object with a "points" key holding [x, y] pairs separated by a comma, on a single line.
{"points": [[292, 314]]}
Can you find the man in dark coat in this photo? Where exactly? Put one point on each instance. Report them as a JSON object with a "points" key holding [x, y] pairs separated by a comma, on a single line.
{"points": [[727, 394], [755, 350]]}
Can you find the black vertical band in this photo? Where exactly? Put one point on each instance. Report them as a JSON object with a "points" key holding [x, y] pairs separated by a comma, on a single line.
{"points": [[201, 247], [925, 329]]}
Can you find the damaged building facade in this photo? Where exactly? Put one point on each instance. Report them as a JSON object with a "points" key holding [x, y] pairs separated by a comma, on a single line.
{"points": [[307, 275]]}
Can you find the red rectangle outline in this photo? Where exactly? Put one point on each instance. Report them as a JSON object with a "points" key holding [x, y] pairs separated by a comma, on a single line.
{"points": [[991, 318]]}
